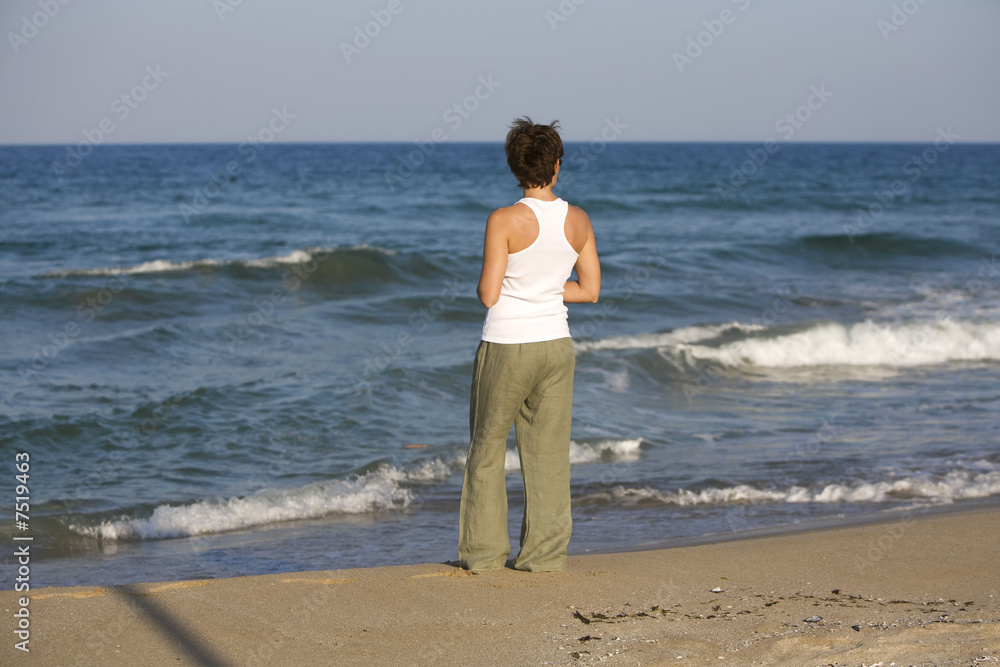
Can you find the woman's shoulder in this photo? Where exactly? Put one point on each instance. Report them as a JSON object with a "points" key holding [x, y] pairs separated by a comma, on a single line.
{"points": [[578, 229], [511, 215], [577, 216]]}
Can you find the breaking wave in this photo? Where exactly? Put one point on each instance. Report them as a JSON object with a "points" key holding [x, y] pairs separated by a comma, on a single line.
{"points": [[383, 489], [868, 343], [946, 488], [863, 344]]}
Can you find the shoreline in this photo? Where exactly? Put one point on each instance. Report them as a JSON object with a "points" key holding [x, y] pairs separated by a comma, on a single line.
{"points": [[64, 563], [819, 524], [922, 590]]}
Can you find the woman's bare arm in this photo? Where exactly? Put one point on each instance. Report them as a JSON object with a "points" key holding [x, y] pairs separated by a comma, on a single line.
{"points": [[494, 258], [587, 286]]}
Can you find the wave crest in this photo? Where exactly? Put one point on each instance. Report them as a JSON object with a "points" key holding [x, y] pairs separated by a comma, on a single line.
{"points": [[955, 485], [383, 489], [301, 256], [863, 344], [379, 490], [868, 343]]}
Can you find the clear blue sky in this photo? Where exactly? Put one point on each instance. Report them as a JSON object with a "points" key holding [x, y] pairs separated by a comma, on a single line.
{"points": [[224, 65]]}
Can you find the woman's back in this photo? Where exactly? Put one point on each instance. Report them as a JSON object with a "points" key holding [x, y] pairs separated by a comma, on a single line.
{"points": [[530, 308]]}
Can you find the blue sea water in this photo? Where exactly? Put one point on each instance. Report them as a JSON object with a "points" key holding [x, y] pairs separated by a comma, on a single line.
{"points": [[227, 361]]}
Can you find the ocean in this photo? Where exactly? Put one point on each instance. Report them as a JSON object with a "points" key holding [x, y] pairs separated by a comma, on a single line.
{"points": [[228, 360]]}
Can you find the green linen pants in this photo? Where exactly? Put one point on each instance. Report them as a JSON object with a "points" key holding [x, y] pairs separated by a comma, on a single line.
{"points": [[529, 385]]}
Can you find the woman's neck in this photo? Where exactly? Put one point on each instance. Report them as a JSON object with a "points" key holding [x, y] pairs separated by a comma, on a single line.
{"points": [[545, 194]]}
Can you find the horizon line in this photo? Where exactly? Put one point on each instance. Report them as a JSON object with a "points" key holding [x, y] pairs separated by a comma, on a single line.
{"points": [[497, 142]]}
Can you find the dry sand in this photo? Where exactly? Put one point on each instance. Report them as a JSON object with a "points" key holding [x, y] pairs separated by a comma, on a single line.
{"points": [[913, 591]]}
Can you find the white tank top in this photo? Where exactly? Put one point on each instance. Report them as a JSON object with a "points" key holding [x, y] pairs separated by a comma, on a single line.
{"points": [[531, 308]]}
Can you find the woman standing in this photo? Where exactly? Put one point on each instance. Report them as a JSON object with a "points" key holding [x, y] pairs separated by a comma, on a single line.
{"points": [[524, 364]]}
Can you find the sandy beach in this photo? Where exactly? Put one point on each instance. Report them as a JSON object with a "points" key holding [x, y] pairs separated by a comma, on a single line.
{"points": [[919, 590]]}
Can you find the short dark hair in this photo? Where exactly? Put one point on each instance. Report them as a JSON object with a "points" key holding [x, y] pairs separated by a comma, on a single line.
{"points": [[532, 152]]}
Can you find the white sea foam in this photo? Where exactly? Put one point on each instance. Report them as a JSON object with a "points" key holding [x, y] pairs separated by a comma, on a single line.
{"points": [[607, 451], [955, 485], [622, 495], [661, 340], [381, 489], [154, 266], [391, 488], [294, 257], [863, 344], [166, 266], [866, 343], [386, 488]]}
